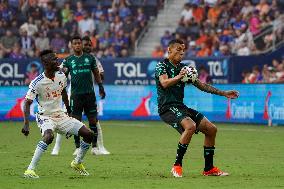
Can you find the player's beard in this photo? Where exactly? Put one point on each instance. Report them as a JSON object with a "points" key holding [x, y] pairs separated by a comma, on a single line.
{"points": [[87, 50]]}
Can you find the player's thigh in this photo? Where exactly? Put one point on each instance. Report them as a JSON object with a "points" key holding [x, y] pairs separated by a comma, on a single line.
{"points": [[173, 117], [195, 116], [207, 127], [77, 104], [44, 123], [90, 107], [68, 125]]}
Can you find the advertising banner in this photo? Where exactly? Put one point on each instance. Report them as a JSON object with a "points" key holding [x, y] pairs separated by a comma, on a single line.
{"points": [[255, 104]]}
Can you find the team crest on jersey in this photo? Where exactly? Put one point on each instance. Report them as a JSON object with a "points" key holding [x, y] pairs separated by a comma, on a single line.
{"points": [[87, 60]]}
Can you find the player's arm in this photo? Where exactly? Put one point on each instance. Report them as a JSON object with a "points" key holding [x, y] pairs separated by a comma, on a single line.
{"points": [[27, 106], [210, 89], [98, 79], [66, 101], [167, 82]]}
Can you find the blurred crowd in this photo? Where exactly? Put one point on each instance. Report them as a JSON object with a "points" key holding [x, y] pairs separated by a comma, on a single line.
{"points": [[267, 74], [227, 27], [29, 26]]}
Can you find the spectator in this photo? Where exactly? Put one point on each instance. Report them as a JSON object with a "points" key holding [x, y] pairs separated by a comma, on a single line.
{"points": [[158, 52], [79, 12], [86, 24], [124, 11], [186, 14], [243, 50], [204, 76], [213, 15], [31, 74], [254, 23], [14, 28], [7, 42], [50, 12], [247, 8], [141, 18], [204, 50], [166, 38], [102, 25], [97, 12], [116, 25], [27, 44], [263, 7], [255, 76], [66, 13], [35, 12], [16, 53], [41, 42], [58, 44], [30, 27], [191, 51]]}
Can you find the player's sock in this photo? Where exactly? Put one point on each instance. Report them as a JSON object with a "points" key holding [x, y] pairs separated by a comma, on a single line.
{"points": [[58, 142], [77, 141], [82, 151], [208, 156], [94, 128], [181, 149], [41, 147], [100, 142]]}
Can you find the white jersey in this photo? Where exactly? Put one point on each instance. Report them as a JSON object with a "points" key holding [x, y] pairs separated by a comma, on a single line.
{"points": [[47, 92]]}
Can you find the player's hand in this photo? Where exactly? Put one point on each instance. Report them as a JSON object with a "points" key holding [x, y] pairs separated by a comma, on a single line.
{"points": [[102, 76], [102, 91], [182, 73], [231, 94], [26, 129]]}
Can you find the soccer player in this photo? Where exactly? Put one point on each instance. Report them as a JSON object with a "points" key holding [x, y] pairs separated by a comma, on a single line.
{"points": [[98, 146], [49, 91], [81, 66], [185, 120]]}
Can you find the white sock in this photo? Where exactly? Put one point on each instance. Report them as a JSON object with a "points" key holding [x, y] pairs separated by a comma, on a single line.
{"points": [[58, 142], [41, 147], [82, 151], [100, 142]]}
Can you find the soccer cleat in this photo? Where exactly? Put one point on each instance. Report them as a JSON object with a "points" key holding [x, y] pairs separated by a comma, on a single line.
{"points": [[79, 167], [76, 152], [215, 171], [55, 152], [177, 171], [99, 151], [30, 174]]}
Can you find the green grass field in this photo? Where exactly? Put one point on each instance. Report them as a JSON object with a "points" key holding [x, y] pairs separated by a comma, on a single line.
{"points": [[142, 155]]}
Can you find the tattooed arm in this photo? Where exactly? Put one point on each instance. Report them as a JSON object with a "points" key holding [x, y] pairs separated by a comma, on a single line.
{"points": [[210, 89]]}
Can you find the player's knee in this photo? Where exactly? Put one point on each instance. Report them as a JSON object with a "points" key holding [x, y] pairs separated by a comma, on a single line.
{"points": [[89, 136], [213, 129], [48, 137], [191, 128]]}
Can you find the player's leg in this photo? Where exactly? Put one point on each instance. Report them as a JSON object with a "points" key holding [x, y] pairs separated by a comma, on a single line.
{"points": [[46, 126], [72, 126], [90, 109], [178, 119], [100, 142], [210, 131], [56, 148], [76, 104]]}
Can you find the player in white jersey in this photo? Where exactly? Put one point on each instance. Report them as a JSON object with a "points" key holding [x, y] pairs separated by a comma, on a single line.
{"points": [[97, 145], [49, 91]]}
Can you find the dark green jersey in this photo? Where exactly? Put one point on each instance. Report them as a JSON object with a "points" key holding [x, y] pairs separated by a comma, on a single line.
{"points": [[80, 69], [173, 95]]}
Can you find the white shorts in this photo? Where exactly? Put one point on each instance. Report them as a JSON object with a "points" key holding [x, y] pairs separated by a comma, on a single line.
{"points": [[60, 123]]}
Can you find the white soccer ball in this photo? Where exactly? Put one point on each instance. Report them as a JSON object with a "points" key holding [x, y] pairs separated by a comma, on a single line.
{"points": [[191, 74]]}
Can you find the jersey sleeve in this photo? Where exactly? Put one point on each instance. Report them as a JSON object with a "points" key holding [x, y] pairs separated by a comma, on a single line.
{"points": [[33, 91], [93, 63], [99, 65], [160, 69]]}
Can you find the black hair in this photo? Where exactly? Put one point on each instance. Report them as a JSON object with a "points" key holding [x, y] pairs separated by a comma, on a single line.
{"points": [[174, 41], [76, 37], [86, 38], [45, 52]]}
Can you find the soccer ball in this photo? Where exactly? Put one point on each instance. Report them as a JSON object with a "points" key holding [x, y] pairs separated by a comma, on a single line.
{"points": [[191, 74]]}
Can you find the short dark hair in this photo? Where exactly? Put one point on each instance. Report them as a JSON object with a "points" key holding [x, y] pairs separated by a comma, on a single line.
{"points": [[45, 52], [174, 41], [76, 37], [86, 38]]}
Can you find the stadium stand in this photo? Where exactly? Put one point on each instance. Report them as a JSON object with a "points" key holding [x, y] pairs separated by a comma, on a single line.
{"points": [[29, 26]]}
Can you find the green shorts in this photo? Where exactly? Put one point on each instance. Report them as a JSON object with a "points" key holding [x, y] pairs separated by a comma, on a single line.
{"points": [[174, 115], [84, 102]]}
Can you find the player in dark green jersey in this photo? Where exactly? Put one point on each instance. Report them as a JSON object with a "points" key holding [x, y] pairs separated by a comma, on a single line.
{"points": [[174, 112], [81, 66]]}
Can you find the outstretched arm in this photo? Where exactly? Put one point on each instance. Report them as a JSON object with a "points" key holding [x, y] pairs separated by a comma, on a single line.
{"points": [[65, 100], [210, 89], [167, 82], [26, 127]]}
